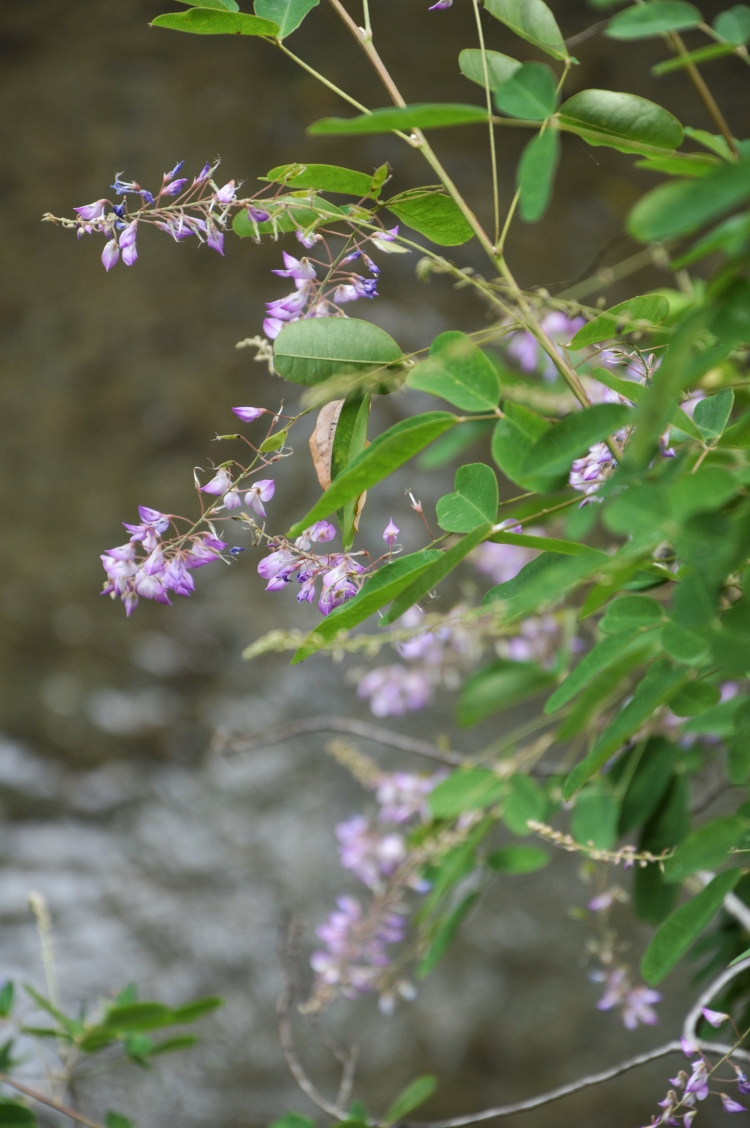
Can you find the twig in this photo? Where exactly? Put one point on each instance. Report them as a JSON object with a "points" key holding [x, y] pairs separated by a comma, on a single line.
{"points": [[704, 93], [347, 1078], [694, 1016], [227, 745], [42, 1099]]}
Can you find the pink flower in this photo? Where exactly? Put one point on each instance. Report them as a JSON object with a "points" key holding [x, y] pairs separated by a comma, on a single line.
{"points": [[92, 211], [390, 533], [715, 1018], [110, 254], [226, 194], [258, 493], [731, 1105], [249, 414], [219, 484]]}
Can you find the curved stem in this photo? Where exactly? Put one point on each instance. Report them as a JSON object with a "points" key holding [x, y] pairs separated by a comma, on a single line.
{"points": [[694, 1015], [321, 78]]}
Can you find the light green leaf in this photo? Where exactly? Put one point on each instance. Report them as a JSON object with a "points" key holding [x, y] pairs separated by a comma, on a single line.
{"points": [[702, 55], [594, 819], [293, 1120], [137, 1017], [434, 574], [554, 452], [734, 25], [384, 455], [501, 684], [222, 5], [660, 683], [533, 21], [526, 802], [288, 14], [630, 611], [416, 1094], [697, 697], [209, 21], [433, 214], [323, 177], [536, 174], [115, 1120], [191, 1012], [544, 580], [474, 502], [706, 848], [683, 206], [684, 645], [458, 372], [170, 1045], [544, 544], [380, 589], [644, 21], [622, 121], [422, 115], [602, 656], [453, 444], [310, 351], [530, 92], [499, 67], [445, 935], [512, 439], [678, 932], [706, 490], [468, 789], [712, 414], [518, 859], [636, 313]]}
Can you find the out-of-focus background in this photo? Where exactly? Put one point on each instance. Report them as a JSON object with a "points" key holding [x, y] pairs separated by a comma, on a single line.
{"points": [[162, 864]]}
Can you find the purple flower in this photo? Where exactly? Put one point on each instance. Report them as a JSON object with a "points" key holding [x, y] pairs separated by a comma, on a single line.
{"points": [[204, 174], [168, 175], [367, 852], [715, 1018], [308, 239], [698, 1081], [258, 493], [588, 473], [390, 533], [249, 414], [280, 564], [232, 500], [319, 533], [731, 1105], [440, 6], [394, 690], [174, 188], [287, 308], [301, 269], [226, 194], [219, 484], [110, 254], [384, 239], [92, 211], [272, 327], [403, 794], [638, 1007], [127, 243], [258, 214], [215, 239], [688, 1048]]}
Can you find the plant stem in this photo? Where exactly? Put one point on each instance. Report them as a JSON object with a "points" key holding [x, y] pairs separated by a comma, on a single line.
{"points": [[321, 78], [42, 1099], [705, 94], [493, 154]]}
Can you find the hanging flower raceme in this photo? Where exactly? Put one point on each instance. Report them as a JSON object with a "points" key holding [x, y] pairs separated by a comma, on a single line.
{"points": [[313, 298], [340, 574]]}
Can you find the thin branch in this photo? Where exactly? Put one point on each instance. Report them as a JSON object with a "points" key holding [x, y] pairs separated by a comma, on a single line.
{"points": [[694, 1016], [35, 1095], [587, 34], [227, 745], [704, 93], [347, 1078]]}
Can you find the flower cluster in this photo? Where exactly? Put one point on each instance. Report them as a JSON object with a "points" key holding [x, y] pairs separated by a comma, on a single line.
{"points": [[679, 1108], [340, 574], [636, 1002]]}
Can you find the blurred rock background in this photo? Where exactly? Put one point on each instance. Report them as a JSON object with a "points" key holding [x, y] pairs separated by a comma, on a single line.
{"points": [[161, 864]]}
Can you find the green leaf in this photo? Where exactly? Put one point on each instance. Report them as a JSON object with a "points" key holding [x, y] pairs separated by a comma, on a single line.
{"points": [[708, 489], [434, 574], [288, 213], [644, 21], [525, 802], [308, 352], [630, 611], [544, 544], [222, 5], [679, 930], [445, 935], [469, 789], [422, 115], [734, 25], [660, 683], [602, 656], [654, 765], [533, 21], [594, 819], [499, 67], [323, 177], [702, 55], [681, 207], [697, 697], [171, 1045], [730, 237], [68, 1024], [554, 452], [293, 1120], [518, 859], [453, 444], [452, 868], [137, 1017], [380, 589], [501, 684], [14, 1115], [530, 93], [115, 1120], [536, 174], [512, 439], [193, 1011], [650, 309], [545, 580], [706, 848], [712, 414], [621, 121], [273, 442], [474, 502], [683, 644], [288, 14], [653, 899], [433, 214], [207, 21], [458, 372], [384, 455], [7, 995]]}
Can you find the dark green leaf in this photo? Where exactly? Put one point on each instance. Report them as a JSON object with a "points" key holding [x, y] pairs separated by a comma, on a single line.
{"points": [[594, 819], [708, 489], [499, 67], [14, 1115], [474, 502], [697, 697], [458, 372], [734, 25], [308, 352], [525, 802], [207, 21], [533, 21], [730, 237], [288, 14], [630, 611], [512, 439], [501, 684], [545, 580], [653, 899], [7, 995], [654, 765], [621, 121], [380, 589], [433, 214], [683, 206], [428, 115], [530, 93], [706, 848], [637, 313], [544, 544], [518, 859], [434, 574], [222, 5], [660, 684], [684, 645], [536, 174], [445, 935], [602, 656], [170, 1045], [193, 1011], [384, 455], [554, 452], [702, 55], [323, 177], [469, 789], [679, 930], [138, 1017], [644, 21], [115, 1120], [712, 414]]}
